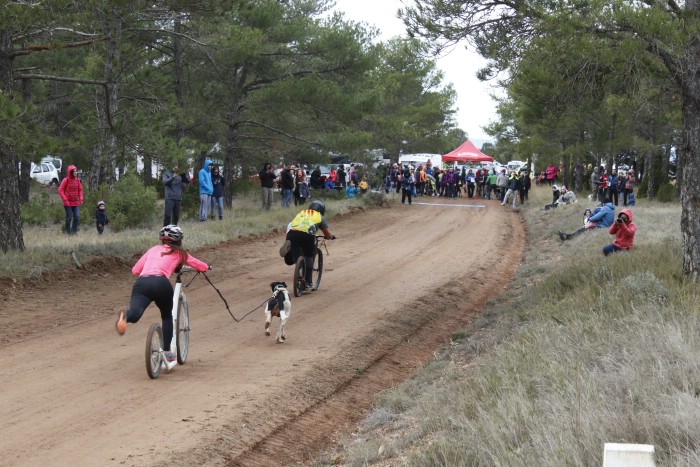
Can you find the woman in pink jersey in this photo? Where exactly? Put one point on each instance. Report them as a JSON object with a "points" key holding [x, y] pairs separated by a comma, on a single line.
{"points": [[153, 284]]}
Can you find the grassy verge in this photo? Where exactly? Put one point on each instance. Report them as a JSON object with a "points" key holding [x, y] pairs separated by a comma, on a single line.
{"points": [[47, 248], [582, 350]]}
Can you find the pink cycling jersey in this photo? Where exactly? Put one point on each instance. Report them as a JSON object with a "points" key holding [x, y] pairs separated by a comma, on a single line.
{"points": [[156, 262]]}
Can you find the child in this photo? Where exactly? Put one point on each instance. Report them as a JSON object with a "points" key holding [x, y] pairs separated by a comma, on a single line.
{"points": [[363, 185], [101, 217], [586, 214], [153, 284], [350, 190]]}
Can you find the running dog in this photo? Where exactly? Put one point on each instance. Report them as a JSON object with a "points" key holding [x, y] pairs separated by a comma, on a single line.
{"points": [[279, 305]]}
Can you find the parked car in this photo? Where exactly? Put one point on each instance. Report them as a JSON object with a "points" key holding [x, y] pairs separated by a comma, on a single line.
{"points": [[56, 161], [44, 173]]}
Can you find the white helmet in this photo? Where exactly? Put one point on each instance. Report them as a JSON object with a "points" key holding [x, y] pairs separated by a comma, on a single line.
{"points": [[171, 233]]}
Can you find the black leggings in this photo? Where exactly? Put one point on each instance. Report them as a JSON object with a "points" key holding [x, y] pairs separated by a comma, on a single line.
{"points": [[405, 193], [149, 289], [304, 244]]}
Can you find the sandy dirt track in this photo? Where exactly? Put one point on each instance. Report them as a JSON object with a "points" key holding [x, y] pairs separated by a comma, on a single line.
{"points": [[397, 282]]}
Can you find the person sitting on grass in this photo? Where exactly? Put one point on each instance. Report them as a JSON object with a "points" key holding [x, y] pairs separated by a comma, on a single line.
{"points": [[586, 214], [564, 197], [603, 216], [623, 230]]}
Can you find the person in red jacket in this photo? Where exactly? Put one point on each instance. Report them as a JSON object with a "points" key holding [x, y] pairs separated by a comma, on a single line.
{"points": [[71, 192], [623, 230]]}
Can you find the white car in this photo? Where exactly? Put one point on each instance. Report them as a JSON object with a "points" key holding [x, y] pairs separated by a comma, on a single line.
{"points": [[56, 161], [44, 173]]}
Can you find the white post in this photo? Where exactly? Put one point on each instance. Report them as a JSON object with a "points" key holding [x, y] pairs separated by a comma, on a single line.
{"points": [[628, 455]]}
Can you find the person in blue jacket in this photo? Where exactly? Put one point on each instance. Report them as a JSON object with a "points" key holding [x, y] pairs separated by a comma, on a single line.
{"points": [[603, 216], [206, 189], [350, 190]]}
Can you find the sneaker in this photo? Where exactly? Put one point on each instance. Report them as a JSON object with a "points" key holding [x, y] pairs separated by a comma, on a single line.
{"points": [[170, 356], [285, 248], [121, 322]]}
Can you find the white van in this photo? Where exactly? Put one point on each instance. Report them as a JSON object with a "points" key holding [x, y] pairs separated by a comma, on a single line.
{"points": [[421, 159], [516, 166]]}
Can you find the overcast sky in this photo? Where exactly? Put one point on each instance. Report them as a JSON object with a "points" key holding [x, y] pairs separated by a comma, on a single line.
{"points": [[475, 106]]}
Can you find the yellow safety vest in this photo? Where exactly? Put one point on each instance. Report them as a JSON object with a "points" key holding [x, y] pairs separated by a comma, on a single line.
{"points": [[306, 221]]}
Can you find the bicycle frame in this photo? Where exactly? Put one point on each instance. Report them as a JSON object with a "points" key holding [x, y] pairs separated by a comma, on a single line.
{"points": [[173, 342], [178, 293]]}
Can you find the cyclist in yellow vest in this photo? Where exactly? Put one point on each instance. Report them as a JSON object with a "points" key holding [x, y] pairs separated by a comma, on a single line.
{"points": [[301, 236]]}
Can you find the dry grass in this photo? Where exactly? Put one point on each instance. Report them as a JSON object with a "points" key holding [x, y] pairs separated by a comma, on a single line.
{"points": [[46, 248], [581, 350]]}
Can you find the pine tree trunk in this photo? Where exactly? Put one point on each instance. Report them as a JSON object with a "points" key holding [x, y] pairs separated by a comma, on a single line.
{"points": [[5, 62], [690, 180], [10, 220], [649, 173], [24, 180], [179, 77]]}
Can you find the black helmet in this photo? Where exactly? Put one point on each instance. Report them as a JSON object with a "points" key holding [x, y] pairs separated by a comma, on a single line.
{"points": [[318, 205], [171, 233]]}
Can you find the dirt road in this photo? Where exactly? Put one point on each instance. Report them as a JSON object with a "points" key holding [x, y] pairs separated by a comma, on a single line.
{"points": [[397, 283]]}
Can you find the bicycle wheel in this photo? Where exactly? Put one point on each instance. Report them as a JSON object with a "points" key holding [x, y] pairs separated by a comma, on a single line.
{"points": [[318, 268], [154, 347], [183, 330], [299, 277]]}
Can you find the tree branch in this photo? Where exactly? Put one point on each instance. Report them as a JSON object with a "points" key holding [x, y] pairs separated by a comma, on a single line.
{"points": [[40, 48], [60, 78]]}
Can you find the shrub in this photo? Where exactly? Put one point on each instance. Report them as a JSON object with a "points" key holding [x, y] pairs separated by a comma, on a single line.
{"points": [[666, 193], [190, 201], [375, 199], [641, 191], [130, 204], [42, 209], [244, 187]]}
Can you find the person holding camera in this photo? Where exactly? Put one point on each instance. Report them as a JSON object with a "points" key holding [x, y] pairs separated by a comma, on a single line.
{"points": [[173, 181], [623, 230], [267, 184]]}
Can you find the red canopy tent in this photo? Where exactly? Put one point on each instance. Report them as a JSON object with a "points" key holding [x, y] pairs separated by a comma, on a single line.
{"points": [[467, 152]]}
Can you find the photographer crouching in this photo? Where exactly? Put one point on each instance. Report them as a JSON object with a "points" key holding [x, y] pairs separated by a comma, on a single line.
{"points": [[623, 230]]}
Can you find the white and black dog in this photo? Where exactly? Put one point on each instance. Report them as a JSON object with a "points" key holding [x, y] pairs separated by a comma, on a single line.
{"points": [[279, 305]]}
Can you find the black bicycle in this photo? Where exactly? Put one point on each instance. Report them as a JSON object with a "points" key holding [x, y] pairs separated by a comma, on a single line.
{"points": [[299, 280]]}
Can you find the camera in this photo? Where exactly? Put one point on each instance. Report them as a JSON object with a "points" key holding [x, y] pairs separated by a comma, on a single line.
{"points": [[619, 219]]}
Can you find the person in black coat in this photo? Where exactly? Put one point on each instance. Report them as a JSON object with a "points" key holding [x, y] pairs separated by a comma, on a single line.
{"points": [[267, 184], [316, 182], [217, 197], [340, 177]]}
